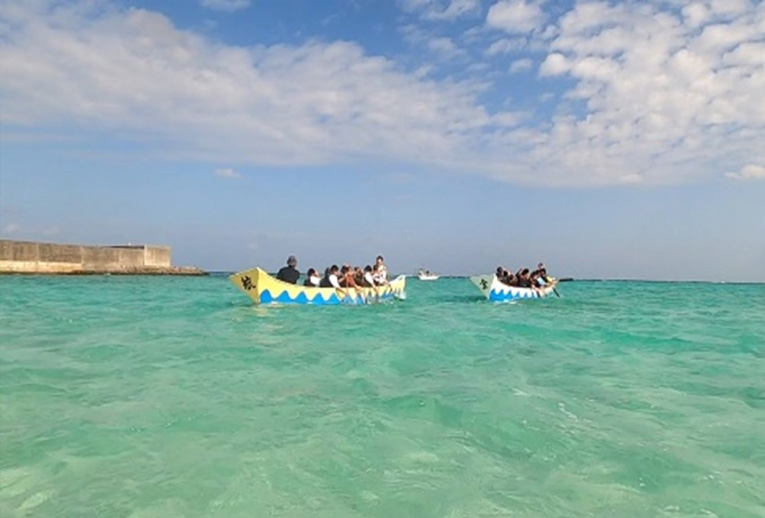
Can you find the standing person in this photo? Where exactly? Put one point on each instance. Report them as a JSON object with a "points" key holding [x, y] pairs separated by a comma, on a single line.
{"points": [[289, 273], [380, 274]]}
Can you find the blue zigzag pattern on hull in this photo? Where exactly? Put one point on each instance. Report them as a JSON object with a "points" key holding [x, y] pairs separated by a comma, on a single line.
{"points": [[266, 297], [507, 296]]}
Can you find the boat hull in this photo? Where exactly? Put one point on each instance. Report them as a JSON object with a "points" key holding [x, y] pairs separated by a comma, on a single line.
{"points": [[497, 291], [425, 275], [263, 288]]}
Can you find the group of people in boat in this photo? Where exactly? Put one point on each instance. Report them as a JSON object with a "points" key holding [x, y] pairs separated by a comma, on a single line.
{"points": [[347, 276], [524, 278], [341, 278]]}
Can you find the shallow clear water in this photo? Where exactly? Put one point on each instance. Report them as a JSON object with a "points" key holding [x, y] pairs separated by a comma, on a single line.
{"points": [[170, 396]]}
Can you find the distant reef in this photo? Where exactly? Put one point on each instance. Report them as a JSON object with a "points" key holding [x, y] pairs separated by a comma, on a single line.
{"points": [[52, 258]]}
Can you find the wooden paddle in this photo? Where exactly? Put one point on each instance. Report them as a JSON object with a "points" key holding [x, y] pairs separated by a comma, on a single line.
{"points": [[553, 283]]}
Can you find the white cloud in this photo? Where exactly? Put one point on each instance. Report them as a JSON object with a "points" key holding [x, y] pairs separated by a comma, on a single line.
{"points": [[729, 7], [746, 54], [749, 172], [446, 10], [515, 16], [134, 71], [696, 14], [225, 5], [227, 173], [595, 68], [444, 46], [643, 95], [520, 65], [506, 46], [659, 97], [554, 65]]}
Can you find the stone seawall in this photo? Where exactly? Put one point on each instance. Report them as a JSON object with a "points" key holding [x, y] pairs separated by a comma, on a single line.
{"points": [[51, 258]]}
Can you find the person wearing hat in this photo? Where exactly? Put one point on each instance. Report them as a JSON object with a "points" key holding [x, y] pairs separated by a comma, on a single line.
{"points": [[289, 273]]}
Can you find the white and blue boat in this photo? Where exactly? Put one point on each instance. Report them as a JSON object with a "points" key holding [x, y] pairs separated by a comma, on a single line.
{"points": [[497, 291]]}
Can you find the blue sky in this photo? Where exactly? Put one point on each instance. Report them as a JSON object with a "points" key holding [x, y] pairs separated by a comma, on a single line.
{"points": [[609, 139]]}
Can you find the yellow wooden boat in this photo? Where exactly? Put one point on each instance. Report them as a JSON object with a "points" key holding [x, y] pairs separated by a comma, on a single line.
{"points": [[263, 288]]}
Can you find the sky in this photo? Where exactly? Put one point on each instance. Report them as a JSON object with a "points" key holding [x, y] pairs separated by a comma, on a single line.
{"points": [[621, 139]]}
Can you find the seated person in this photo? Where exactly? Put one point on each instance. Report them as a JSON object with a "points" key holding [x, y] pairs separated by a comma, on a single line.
{"points": [[330, 279], [543, 275], [505, 276], [312, 278], [538, 275], [347, 277], [368, 281], [368, 278], [358, 276], [523, 280], [289, 273]]}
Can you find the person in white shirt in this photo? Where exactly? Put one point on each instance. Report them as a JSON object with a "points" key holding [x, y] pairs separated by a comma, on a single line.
{"points": [[330, 279], [380, 273], [312, 278], [368, 280]]}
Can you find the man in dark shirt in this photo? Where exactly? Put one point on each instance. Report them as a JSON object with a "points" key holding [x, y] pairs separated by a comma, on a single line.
{"points": [[289, 273]]}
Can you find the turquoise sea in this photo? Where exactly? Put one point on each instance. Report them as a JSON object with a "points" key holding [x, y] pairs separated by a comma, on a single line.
{"points": [[175, 397]]}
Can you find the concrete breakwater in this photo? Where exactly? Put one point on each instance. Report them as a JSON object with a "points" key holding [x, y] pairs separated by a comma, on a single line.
{"points": [[51, 258]]}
